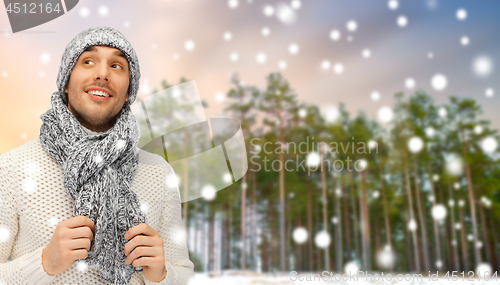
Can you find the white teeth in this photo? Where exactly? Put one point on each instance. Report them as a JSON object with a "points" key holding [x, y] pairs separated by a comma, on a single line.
{"points": [[99, 93]]}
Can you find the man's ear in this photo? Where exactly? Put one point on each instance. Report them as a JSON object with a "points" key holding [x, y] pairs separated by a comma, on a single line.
{"points": [[126, 100]]}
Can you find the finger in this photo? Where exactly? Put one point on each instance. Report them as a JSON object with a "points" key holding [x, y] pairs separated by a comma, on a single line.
{"points": [[81, 243], [141, 229], [142, 251], [151, 261], [81, 232], [80, 221], [140, 241]]}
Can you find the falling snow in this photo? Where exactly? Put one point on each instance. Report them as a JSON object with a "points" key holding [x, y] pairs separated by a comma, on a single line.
{"points": [[352, 26], [208, 192], [338, 68], [461, 14], [265, 31], [261, 57], [325, 64], [410, 83], [402, 21], [439, 82], [103, 11], [233, 4], [286, 14], [45, 57], [385, 114], [464, 40], [366, 53], [489, 92], [415, 144], [489, 145], [227, 36], [293, 49], [322, 239], [282, 64], [335, 35], [482, 66], [227, 178], [268, 10], [296, 4], [393, 4], [84, 12], [234, 56], [189, 45], [300, 235]]}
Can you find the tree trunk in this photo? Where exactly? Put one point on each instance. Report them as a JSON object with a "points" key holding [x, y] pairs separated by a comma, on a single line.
{"points": [[338, 230], [243, 222], [265, 249], [365, 222], [185, 186], [325, 211], [355, 215], [465, 255], [346, 220], [410, 265], [421, 215], [282, 200], [486, 240], [453, 232], [386, 215], [386, 211], [195, 222], [310, 227], [435, 223], [477, 253], [410, 207], [230, 243], [211, 239], [496, 249], [253, 222]]}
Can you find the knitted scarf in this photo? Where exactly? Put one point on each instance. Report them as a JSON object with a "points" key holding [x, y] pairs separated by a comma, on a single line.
{"points": [[98, 170]]}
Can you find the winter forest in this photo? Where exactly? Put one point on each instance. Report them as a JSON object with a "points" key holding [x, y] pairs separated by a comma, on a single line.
{"points": [[415, 190]]}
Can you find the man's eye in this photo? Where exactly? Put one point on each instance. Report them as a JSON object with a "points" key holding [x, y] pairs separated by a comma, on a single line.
{"points": [[117, 66], [88, 60]]}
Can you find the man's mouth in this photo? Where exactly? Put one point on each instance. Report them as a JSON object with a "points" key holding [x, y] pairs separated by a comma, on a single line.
{"points": [[98, 93], [101, 92]]}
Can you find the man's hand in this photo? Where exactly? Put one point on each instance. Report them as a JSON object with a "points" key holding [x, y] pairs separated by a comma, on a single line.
{"points": [[146, 251], [70, 241]]}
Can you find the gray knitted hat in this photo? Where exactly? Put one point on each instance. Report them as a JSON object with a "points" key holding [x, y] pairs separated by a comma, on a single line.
{"points": [[99, 36]]}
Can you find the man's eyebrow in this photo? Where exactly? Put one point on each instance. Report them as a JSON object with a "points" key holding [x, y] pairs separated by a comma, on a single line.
{"points": [[120, 53], [90, 48], [94, 49]]}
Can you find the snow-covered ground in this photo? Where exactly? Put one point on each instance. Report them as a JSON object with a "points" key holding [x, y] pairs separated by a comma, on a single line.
{"points": [[252, 278]]}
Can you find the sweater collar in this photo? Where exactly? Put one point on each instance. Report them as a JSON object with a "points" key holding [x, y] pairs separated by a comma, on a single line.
{"points": [[88, 131]]}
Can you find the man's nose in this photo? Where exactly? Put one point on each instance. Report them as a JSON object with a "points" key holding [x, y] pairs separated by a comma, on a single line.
{"points": [[102, 73]]}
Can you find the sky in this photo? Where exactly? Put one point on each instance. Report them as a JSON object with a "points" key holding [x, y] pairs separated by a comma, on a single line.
{"points": [[359, 52]]}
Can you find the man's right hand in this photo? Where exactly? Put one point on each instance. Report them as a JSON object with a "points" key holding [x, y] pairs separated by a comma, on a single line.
{"points": [[70, 241]]}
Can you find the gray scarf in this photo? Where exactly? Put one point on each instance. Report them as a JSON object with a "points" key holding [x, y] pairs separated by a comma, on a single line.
{"points": [[98, 170]]}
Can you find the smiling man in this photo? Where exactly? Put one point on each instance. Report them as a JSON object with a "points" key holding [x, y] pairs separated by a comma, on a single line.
{"points": [[96, 102], [81, 203]]}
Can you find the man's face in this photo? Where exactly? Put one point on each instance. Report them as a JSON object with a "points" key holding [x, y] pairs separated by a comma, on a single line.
{"points": [[98, 69]]}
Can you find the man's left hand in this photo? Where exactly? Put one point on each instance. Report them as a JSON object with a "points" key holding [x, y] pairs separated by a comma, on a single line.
{"points": [[147, 251]]}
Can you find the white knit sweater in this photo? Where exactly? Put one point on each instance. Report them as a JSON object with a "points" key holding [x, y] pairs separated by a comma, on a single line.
{"points": [[33, 202]]}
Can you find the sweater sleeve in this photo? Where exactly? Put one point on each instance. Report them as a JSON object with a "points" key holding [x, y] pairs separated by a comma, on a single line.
{"points": [[180, 269], [26, 269]]}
